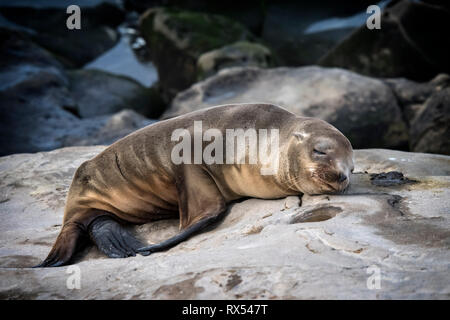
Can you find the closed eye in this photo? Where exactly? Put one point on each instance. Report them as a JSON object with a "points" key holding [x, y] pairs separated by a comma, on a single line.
{"points": [[319, 152]]}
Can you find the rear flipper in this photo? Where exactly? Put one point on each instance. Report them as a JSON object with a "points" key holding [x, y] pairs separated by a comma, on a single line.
{"points": [[69, 240], [201, 204], [113, 239], [110, 237]]}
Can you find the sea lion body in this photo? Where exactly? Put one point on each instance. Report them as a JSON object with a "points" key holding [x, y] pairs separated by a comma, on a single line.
{"points": [[135, 180]]}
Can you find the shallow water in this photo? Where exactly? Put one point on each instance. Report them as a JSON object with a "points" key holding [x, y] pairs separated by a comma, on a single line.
{"points": [[121, 60]]}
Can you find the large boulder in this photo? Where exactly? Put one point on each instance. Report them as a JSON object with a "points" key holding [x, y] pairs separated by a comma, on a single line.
{"points": [[410, 95], [409, 44], [310, 247], [17, 48], [40, 123], [364, 109], [426, 111], [48, 23], [177, 38], [98, 93], [430, 130], [33, 95]]}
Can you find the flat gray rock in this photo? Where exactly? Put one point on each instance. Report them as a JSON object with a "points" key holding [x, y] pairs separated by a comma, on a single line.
{"points": [[314, 247]]}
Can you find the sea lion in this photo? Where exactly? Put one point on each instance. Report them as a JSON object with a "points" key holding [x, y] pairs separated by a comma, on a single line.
{"points": [[137, 179]]}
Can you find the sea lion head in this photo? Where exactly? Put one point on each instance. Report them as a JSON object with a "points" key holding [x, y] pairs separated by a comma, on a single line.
{"points": [[320, 158]]}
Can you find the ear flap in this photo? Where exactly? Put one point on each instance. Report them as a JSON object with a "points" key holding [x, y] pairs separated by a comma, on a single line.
{"points": [[301, 136]]}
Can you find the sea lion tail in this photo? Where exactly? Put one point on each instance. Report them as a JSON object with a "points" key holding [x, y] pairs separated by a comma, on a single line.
{"points": [[65, 246]]}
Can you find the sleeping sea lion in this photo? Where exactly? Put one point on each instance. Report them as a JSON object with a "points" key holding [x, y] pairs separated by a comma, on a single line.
{"points": [[150, 174]]}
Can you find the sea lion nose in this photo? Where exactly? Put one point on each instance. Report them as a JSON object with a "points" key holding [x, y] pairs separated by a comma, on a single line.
{"points": [[342, 177]]}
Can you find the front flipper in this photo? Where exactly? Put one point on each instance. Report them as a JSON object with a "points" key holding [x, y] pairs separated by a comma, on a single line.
{"points": [[184, 235], [113, 239], [200, 204]]}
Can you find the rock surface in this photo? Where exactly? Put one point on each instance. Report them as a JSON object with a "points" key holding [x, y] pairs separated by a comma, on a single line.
{"points": [[316, 247], [364, 109]]}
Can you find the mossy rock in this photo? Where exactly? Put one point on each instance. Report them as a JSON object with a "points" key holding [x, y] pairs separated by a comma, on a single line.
{"points": [[177, 38]]}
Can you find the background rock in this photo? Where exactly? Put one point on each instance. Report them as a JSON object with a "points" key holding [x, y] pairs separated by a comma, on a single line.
{"points": [[38, 110], [104, 130], [364, 109], [177, 38], [98, 93], [300, 33], [401, 48], [425, 108], [430, 130], [33, 95], [73, 47], [239, 54], [260, 250], [410, 95], [249, 13], [284, 26], [17, 48]]}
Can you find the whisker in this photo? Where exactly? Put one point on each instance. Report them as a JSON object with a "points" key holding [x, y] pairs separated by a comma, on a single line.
{"points": [[292, 182]]}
